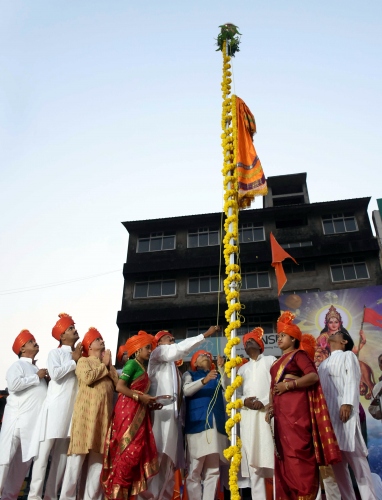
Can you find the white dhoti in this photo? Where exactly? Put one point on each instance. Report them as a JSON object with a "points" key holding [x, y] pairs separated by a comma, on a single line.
{"points": [[13, 474], [340, 378], [360, 466], [161, 486], [93, 487], [58, 449], [205, 455], [255, 476]]}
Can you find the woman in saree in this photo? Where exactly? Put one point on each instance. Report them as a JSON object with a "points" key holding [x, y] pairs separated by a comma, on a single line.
{"points": [[130, 454], [304, 437]]}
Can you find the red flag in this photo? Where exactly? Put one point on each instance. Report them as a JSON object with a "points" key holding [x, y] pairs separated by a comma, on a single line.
{"points": [[371, 316], [278, 255]]}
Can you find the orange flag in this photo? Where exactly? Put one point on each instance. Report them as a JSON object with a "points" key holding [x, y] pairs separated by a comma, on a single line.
{"points": [[178, 485], [278, 255]]}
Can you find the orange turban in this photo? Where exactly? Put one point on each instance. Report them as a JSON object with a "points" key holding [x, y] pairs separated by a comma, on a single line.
{"points": [[285, 325], [256, 334], [62, 325], [121, 350], [161, 334], [138, 341], [89, 337], [196, 355], [22, 338], [308, 344]]}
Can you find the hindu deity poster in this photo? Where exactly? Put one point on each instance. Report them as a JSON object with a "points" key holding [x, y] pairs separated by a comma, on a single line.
{"points": [[359, 311]]}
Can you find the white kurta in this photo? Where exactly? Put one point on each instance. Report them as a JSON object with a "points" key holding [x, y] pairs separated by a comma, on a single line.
{"points": [[26, 395], [208, 441], [165, 380], [340, 376], [56, 412], [255, 432]]}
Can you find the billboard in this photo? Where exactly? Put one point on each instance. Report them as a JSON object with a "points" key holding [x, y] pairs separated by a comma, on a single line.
{"points": [[311, 310]]}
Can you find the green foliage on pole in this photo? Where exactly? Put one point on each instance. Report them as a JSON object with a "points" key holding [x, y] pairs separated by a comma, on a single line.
{"points": [[230, 34]]}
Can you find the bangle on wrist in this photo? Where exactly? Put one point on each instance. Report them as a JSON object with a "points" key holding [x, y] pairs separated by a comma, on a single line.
{"points": [[203, 381], [135, 397], [286, 385]]}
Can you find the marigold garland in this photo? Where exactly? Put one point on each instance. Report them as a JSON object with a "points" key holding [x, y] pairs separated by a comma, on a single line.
{"points": [[233, 279]]}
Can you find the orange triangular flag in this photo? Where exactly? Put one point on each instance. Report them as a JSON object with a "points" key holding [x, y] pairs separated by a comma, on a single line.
{"points": [[178, 485], [278, 255]]}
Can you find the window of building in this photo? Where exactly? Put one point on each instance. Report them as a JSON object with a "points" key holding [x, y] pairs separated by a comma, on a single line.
{"points": [[155, 242], [297, 244], [157, 288], [204, 282], [339, 223], [197, 327], [203, 237], [249, 233], [255, 277], [301, 267], [348, 269], [299, 292]]}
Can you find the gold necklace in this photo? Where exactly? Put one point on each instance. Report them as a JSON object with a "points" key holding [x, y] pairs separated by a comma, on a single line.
{"points": [[140, 364]]}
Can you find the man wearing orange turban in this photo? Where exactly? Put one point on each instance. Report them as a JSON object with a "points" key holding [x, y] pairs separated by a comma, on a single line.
{"points": [[27, 391], [255, 433], [166, 380], [57, 410], [97, 379], [204, 428]]}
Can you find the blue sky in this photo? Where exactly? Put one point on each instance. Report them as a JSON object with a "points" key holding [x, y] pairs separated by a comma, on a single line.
{"points": [[110, 111]]}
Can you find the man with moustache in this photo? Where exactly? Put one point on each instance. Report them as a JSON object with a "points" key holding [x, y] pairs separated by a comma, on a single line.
{"points": [[167, 426], [97, 379], [255, 432], [52, 433], [27, 391]]}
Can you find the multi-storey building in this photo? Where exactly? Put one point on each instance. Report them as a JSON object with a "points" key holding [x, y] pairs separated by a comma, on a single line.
{"points": [[173, 273]]}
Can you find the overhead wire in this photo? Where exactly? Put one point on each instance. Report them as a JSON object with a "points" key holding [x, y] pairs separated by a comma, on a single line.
{"points": [[12, 291]]}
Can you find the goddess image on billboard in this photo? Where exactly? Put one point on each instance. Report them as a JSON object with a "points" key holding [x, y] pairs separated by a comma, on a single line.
{"points": [[357, 311]]}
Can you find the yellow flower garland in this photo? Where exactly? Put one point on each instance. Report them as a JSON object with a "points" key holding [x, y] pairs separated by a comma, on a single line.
{"points": [[233, 279]]}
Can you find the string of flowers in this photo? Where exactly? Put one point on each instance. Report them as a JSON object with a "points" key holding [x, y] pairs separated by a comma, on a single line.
{"points": [[233, 279]]}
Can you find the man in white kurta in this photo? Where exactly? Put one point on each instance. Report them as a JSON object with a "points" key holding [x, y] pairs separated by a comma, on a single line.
{"points": [[340, 378], [53, 432], [255, 432], [27, 390], [165, 379]]}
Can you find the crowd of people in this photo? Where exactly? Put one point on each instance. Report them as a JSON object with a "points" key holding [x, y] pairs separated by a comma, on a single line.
{"points": [[295, 420]]}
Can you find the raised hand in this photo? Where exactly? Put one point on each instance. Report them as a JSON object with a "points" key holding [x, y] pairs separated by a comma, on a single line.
{"points": [[220, 361], [106, 358], [210, 376], [77, 353], [211, 331]]}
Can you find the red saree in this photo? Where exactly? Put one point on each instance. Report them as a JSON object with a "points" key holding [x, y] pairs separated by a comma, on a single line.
{"points": [[130, 454], [304, 436]]}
